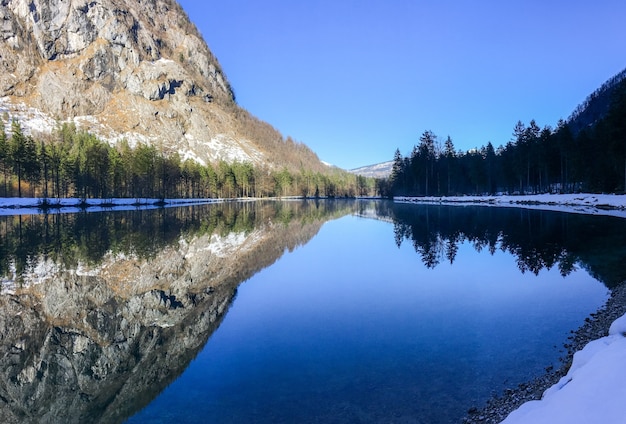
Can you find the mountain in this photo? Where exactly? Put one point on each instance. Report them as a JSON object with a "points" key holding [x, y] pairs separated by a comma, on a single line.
{"points": [[135, 70], [596, 105], [379, 170]]}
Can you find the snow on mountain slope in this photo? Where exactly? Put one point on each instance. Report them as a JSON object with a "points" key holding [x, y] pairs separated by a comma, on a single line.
{"points": [[123, 69]]}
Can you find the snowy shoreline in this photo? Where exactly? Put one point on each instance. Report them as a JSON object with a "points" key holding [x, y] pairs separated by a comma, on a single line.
{"points": [[561, 403], [39, 205], [34, 205], [584, 203], [592, 388]]}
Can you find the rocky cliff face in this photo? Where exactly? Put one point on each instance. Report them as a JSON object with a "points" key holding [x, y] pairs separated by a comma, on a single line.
{"points": [[98, 342], [133, 69]]}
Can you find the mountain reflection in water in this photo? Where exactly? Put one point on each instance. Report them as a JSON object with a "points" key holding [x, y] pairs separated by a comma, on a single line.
{"points": [[101, 311]]}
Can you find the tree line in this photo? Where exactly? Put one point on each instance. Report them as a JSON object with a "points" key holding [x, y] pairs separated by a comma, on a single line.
{"points": [[72, 163], [535, 160]]}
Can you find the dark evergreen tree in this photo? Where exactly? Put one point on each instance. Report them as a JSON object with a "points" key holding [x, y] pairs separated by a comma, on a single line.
{"points": [[18, 153], [5, 159]]}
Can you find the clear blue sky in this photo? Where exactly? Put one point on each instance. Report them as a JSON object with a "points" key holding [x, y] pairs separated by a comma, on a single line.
{"points": [[355, 80]]}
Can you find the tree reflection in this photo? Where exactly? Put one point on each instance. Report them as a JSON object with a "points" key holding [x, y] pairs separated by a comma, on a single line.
{"points": [[71, 239], [97, 346], [537, 239]]}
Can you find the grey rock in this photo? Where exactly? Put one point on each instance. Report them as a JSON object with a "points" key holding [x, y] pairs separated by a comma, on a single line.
{"points": [[119, 69]]}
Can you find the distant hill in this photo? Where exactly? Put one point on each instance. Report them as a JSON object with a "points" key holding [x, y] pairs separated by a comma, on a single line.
{"points": [[379, 170], [595, 106]]}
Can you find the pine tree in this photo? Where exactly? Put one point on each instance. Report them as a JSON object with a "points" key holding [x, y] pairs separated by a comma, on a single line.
{"points": [[43, 157], [397, 172], [427, 157], [5, 163], [18, 153], [449, 156]]}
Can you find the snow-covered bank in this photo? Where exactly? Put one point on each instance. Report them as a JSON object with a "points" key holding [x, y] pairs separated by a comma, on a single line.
{"points": [[30, 205], [593, 391], [594, 204]]}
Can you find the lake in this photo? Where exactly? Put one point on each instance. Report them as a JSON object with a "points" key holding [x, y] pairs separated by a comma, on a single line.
{"points": [[281, 312]]}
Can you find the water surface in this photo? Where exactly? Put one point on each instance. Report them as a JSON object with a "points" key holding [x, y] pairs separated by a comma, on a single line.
{"points": [[328, 311], [352, 327]]}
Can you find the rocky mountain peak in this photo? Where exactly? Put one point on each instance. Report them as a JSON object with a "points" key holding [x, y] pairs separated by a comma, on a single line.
{"points": [[107, 45], [124, 69]]}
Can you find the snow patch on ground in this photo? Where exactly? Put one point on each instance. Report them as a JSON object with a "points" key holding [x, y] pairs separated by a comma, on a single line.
{"points": [[83, 270], [592, 204], [8, 283], [187, 154], [38, 271], [32, 120], [225, 246], [134, 139], [30, 205], [593, 391], [223, 148]]}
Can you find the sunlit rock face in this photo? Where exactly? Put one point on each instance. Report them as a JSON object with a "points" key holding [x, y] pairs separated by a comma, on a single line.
{"points": [[95, 341], [137, 70]]}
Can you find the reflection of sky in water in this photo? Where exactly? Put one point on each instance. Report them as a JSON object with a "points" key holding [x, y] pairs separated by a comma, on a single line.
{"points": [[352, 328]]}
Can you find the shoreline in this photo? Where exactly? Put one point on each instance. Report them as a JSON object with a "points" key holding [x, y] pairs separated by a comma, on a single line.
{"points": [[537, 398], [582, 203], [595, 327], [39, 205], [16, 205]]}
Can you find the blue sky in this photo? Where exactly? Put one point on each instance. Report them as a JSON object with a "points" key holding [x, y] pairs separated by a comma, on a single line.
{"points": [[355, 80]]}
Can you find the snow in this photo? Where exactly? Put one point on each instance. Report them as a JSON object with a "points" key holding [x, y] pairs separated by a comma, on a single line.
{"points": [[30, 205], [32, 120], [592, 204], [223, 247], [133, 139], [186, 154], [593, 391], [222, 147]]}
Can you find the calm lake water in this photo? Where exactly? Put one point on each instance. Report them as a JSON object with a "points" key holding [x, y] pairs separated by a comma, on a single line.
{"points": [[296, 312]]}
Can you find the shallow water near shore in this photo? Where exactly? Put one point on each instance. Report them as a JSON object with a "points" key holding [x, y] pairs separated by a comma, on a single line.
{"points": [[356, 327]]}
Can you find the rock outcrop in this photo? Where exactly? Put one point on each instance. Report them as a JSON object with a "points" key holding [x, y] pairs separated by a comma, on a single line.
{"points": [[137, 70]]}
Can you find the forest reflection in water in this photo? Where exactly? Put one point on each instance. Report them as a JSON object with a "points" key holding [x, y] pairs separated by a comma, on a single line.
{"points": [[100, 312], [353, 328], [537, 239], [86, 238]]}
